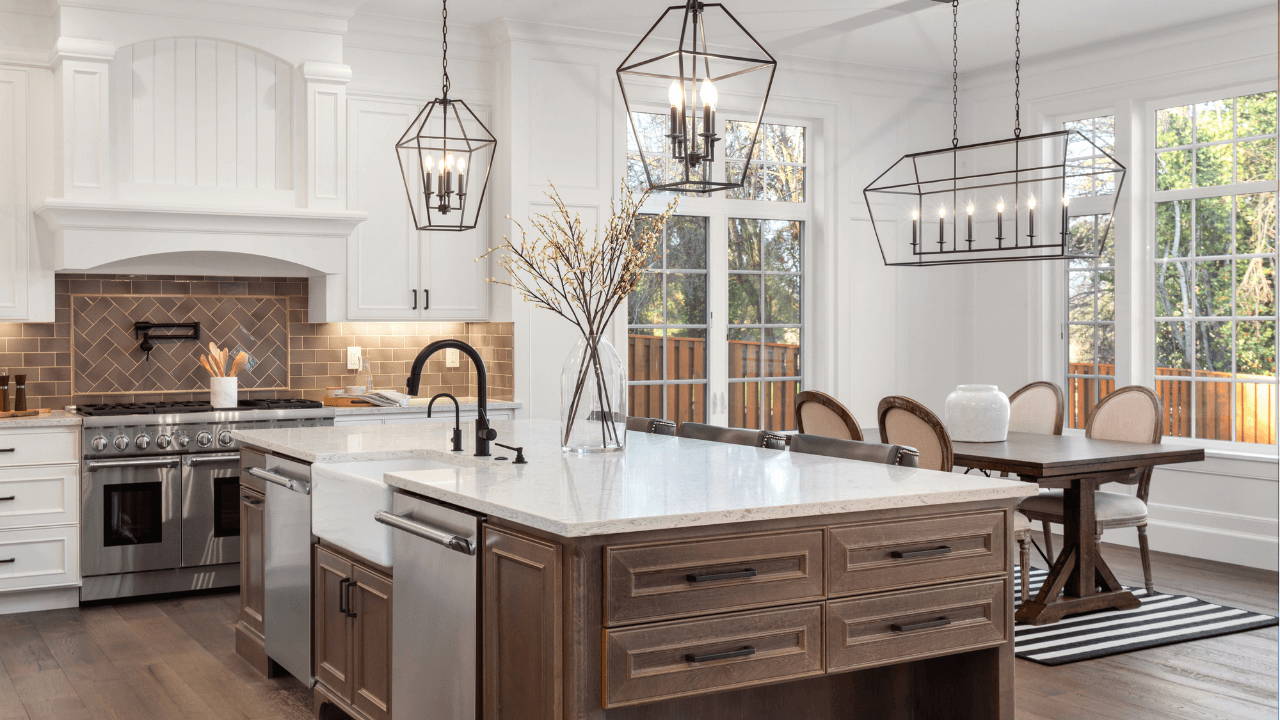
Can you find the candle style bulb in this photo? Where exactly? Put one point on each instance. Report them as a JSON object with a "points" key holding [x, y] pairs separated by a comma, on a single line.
{"points": [[710, 96], [1065, 201], [942, 226], [942, 211], [1031, 219], [915, 227], [969, 235], [1000, 206], [448, 162], [675, 95], [428, 161], [1000, 223], [969, 208], [462, 164], [1031, 203], [915, 214]]}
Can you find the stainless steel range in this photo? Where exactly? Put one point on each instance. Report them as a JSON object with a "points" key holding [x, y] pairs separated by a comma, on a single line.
{"points": [[161, 493]]}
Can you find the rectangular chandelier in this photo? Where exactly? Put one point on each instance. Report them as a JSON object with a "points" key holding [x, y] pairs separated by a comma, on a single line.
{"points": [[999, 201]]}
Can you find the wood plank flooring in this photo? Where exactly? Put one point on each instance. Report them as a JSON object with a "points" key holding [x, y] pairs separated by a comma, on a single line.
{"points": [[174, 659]]}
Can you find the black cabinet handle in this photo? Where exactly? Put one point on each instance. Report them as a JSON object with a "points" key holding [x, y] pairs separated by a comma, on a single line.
{"points": [[711, 577], [909, 554], [940, 622], [415, 298], [351, 605], [8, 450], [7, 498], [746, 651], [342, 595], [6, 562], [426, 299]]}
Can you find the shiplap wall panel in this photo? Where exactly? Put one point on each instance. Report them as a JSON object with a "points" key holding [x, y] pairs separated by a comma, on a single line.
{"points": [[204, 112]]}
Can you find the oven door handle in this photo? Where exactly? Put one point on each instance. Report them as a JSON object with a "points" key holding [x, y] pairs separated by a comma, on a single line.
{"points": [[298, 486], [92, 465], [194, 460]]}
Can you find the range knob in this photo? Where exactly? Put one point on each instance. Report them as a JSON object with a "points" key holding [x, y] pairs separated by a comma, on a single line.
{"points": [[163, 442], [121, 443], [142, 441], [99, 444], [224, 438], [184, 440], [204, 439]]}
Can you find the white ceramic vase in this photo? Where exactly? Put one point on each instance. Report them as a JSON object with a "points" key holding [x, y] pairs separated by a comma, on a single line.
{"points": [[977, 413], [223, 392]]}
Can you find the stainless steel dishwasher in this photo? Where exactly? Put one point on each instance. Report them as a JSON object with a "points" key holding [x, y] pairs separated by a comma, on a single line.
{"points": [[287, 565], [435, 610]]}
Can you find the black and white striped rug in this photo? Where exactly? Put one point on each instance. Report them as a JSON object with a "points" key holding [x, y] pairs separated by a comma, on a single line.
{"points": [[1162, 620]]}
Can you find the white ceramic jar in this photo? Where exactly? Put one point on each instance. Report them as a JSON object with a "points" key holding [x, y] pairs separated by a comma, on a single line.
{"points": [[223, 392], [977, 413]]}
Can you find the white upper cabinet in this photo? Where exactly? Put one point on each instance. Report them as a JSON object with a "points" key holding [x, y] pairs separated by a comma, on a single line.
{"points": [[395, 272], [14, 213]]}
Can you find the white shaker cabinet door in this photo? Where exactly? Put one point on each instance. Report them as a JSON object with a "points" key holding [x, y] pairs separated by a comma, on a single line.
{"points": [[455, 285], [14, 214], [383, 253]]}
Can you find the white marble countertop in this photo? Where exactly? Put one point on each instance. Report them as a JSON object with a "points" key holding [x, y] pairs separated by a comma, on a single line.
{"points": [[443, 408], [659, 482], [53, 418]]}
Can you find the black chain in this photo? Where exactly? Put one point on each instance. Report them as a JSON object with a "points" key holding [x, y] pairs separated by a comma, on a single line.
{"points": [[444, 31], [955, 73], [1017, 68]]}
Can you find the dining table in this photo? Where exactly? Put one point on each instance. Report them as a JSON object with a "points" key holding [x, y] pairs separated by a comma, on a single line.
{"points": [[1079, 579]]}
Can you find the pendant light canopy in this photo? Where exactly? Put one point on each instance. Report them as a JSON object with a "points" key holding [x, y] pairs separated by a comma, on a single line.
{"points": [[672, 83], [998, 201], [445, 156]]}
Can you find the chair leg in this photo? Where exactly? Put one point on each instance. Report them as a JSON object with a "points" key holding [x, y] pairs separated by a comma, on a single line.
{"points": [[1024, 564], [1146, 557], [1048, 540]]}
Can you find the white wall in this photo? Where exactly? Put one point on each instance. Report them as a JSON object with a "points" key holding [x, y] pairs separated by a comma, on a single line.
{"points": [[1225, 508]]}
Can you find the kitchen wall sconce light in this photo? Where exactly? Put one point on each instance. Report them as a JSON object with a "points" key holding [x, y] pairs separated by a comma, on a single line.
{"points": [[998, 201], [445, 157], [688, 79]]}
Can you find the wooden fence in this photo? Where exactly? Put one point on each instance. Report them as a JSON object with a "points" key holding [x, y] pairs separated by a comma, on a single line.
{"points": [[1255, 404], [750, 405]]}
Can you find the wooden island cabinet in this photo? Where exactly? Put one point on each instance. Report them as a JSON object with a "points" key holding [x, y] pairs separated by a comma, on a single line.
{"points": [[351, 643]]}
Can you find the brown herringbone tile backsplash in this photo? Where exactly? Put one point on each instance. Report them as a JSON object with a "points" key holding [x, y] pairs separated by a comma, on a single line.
{"points": [[89, 354]]}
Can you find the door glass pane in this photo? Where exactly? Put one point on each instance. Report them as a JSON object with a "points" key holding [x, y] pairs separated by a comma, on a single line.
{"points": [[744, 299], [781, 352], [744, 352], [133, 514], [744, 244], [744, 405], [226, 506]]}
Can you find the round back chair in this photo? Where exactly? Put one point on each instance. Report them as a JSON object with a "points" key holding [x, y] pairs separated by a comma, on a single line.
{"points": [[817, 413], [904, 421], [1036, 408]]}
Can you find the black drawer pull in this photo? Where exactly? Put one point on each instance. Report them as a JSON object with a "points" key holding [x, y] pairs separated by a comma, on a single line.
{"points": [[342, 595], [6, 562], [910, 554], [749, 572], [5, 450], [351, 601], [940, 622], [746, 651], [7, 498]]}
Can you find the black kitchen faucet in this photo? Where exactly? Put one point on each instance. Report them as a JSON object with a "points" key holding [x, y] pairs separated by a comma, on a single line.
{"points": [[484, 433]]}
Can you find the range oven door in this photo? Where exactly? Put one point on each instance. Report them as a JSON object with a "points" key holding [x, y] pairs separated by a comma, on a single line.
{"points": [[131, 518], [211, 509]]}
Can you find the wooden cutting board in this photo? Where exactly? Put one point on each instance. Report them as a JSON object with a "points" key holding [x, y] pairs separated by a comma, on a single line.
{"points": [[346, 402], [23, 414]]}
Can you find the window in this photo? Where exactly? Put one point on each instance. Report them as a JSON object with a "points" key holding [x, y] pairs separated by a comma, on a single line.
{"points": [[715, 326], [1091, 293], [1215, 251]]}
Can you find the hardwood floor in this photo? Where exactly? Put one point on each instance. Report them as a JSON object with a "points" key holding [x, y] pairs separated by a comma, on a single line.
{"points": [[174, 659]]}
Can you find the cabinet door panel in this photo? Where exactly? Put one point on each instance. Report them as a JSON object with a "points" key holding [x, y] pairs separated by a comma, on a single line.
{"points": [[382, 254], [332, 627], [252, 568], [457, 283], [14, 223], [371, 667]]}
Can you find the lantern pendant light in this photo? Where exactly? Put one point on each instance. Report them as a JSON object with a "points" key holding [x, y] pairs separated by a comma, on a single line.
{"points": [[445, 157], [995, 200], [678, 146]]}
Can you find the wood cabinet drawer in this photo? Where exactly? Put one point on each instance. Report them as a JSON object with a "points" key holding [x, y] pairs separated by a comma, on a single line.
{"points": [[914, 624], [668, 580], [891, 554], [42, 557], [39, 495], [39, 446], [692, 657]]}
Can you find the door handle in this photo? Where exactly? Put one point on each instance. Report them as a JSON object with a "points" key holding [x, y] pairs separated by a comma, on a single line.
{"points": [[342, 595], [299, 486], [415, 298], [440, 537], [351, 601], [746, 651], [250, 500], [749, 572], [909, 554], [426, 299], [136, 462], [940, 622]]}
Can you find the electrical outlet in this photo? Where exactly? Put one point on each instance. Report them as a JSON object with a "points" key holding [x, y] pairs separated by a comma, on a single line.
{"points": [[353, 358], [451, 357]]}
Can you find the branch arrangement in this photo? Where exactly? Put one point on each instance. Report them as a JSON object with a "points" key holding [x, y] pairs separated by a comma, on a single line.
{"points": [[583, 280]]}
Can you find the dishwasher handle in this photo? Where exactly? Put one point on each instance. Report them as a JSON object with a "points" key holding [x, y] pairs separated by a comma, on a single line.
{"points": [[426, 532], [298, 486]]}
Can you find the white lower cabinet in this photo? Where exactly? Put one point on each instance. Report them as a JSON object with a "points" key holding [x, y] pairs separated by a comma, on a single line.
{"points": [[39, 495], [44, 557]]}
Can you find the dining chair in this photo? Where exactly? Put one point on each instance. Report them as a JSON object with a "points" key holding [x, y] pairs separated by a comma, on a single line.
{"points": [[904, 421], [1130, 414], [817, 413], [653, 426], [733, 436], [1036, 408], [855, 450], [1022, 534]]}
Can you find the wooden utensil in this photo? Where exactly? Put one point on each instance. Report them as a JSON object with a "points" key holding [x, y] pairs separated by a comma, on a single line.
{"points": [[239, 363], [204, 362], [225, 353]]}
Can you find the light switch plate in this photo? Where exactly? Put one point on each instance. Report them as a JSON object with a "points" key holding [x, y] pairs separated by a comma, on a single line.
{"points": [[451, 357], [353, 358]]}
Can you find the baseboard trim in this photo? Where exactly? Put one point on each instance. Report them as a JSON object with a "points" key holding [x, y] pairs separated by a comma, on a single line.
{"points": [[42, 599], [1198, 541]]}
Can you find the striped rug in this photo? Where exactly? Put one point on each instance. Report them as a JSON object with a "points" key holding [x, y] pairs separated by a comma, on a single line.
{"points": [[1162, 620]]}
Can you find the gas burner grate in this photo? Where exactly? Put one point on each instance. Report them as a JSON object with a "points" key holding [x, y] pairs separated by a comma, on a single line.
{"points": [[193, 406], [280, 404]]}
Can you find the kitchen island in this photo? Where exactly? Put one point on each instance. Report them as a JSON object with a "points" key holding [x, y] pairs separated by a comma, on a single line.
{"points": [[685, 579]]}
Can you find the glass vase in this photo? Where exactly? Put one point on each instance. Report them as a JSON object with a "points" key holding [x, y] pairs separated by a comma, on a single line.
{"points": [[593, 398]]}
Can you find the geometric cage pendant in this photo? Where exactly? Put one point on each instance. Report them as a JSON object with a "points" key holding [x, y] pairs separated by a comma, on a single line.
{"points": [[999, 201], [445, 157]]}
